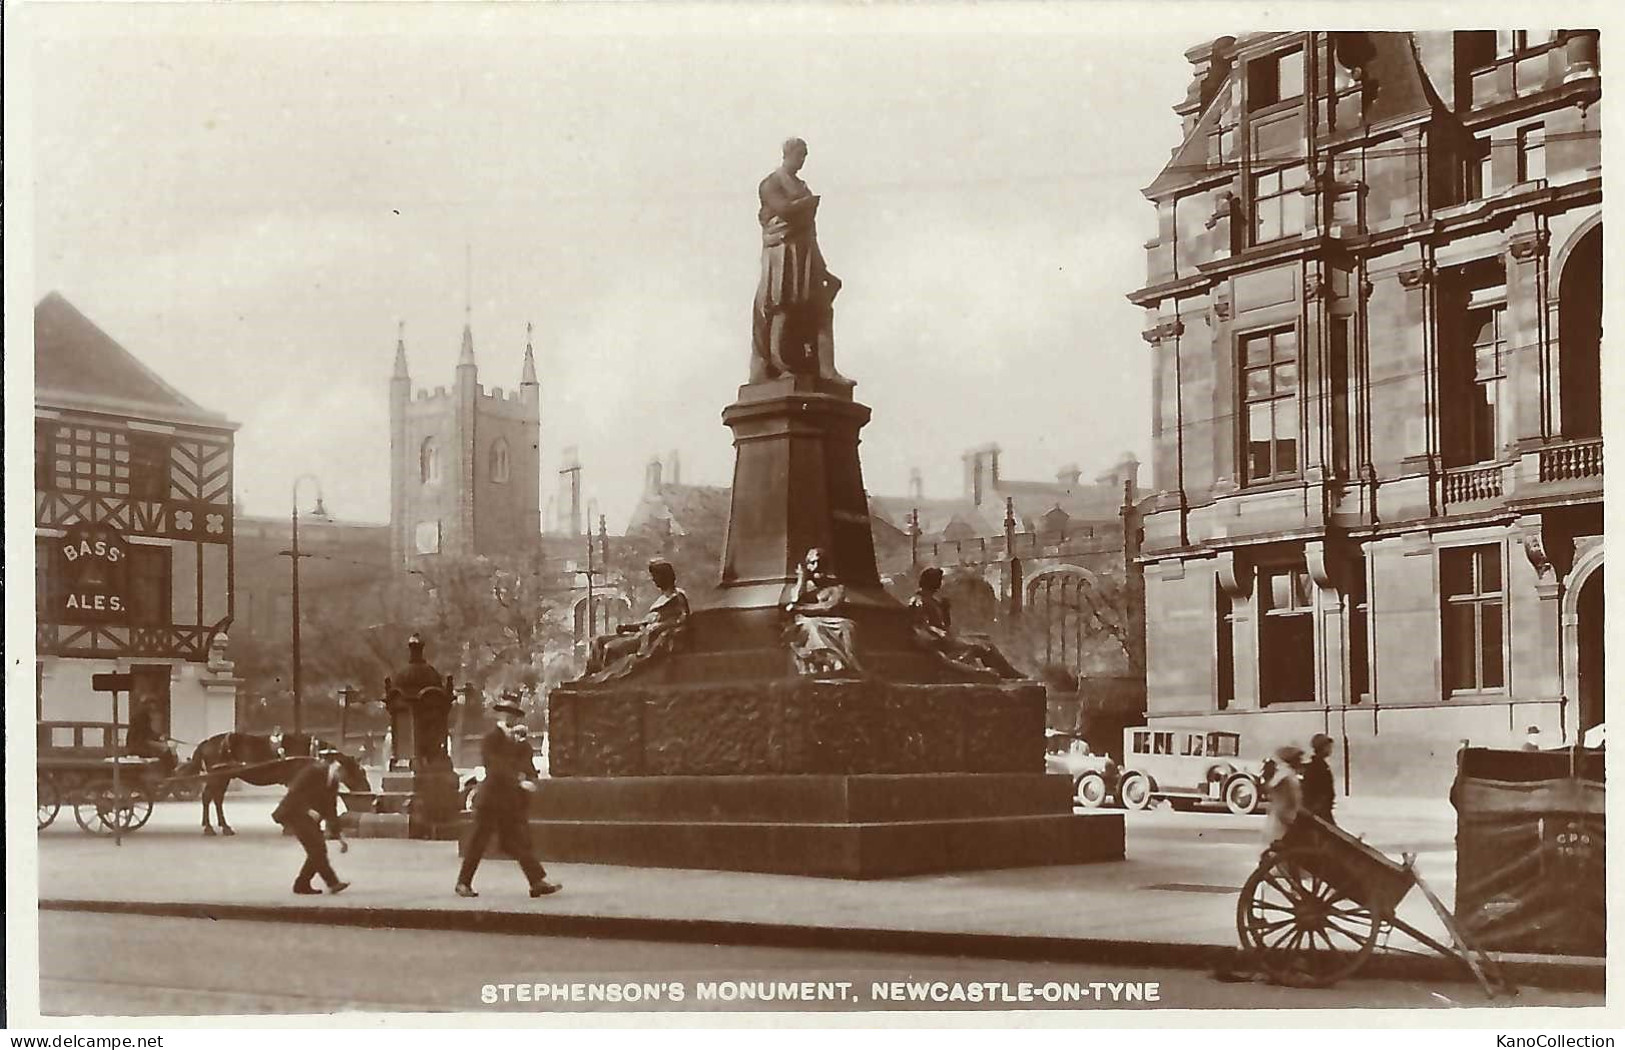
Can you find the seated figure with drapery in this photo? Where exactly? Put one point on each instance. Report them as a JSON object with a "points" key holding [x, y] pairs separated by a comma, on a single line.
{"points": [[821, 642]]}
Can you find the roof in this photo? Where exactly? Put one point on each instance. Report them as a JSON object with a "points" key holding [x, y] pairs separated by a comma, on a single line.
{"points": [[77, 365], [690, 508], [1396, 87]]}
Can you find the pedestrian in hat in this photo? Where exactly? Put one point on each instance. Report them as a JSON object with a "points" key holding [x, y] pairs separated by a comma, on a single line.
{"points": [[1284, 791], [313, 796], [1319, 789], [502, 802]]}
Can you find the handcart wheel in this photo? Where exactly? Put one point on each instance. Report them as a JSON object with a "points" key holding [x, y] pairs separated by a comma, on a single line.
{"points": [[101, 810], [48, 799], [1301, 930]]}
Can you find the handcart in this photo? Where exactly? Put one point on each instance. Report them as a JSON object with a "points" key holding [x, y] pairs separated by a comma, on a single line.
{"points": [[1321, 901]]}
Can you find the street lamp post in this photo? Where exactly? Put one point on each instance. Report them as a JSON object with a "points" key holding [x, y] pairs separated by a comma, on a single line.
{"points": [[293, 555]]}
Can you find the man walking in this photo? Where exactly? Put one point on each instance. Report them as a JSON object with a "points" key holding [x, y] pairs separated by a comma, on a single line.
{"points": [[502, 802], [312, 796]]}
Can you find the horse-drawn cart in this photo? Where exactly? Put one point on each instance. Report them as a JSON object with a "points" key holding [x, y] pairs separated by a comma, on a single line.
{"points": [[1321, 901], [79, 767]]}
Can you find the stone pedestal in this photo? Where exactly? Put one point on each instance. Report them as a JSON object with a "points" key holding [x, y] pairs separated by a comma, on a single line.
{"points": [[408, 804], [721, 756]]}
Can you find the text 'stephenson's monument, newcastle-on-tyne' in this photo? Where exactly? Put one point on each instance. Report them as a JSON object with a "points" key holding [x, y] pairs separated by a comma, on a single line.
{"points": [[791, 721]]}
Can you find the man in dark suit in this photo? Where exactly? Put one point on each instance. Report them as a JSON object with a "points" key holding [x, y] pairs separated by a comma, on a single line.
{"points": [[502, 802], [313, 794]]}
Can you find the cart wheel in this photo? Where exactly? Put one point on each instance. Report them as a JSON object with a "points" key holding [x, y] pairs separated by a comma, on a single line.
{"points": [[100, 810], [48, 799], [1300, 929], [1091, 790], [1134, 791]]}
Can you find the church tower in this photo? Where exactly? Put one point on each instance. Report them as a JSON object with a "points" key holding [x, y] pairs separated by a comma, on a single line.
{"points": [[465, 467]]}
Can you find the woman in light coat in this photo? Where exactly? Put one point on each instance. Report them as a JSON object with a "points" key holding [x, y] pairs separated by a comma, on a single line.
{"points": [[1285, 793]]}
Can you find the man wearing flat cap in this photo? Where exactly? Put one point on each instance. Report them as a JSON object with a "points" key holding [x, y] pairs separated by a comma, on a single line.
{"points": [[502, 801]]}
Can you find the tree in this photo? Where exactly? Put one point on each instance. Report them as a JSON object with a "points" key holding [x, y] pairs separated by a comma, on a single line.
{"points": [[496, 622]]}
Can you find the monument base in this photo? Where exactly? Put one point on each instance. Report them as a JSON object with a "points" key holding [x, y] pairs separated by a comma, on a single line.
{"points": [[836, 826], [411, 804]]}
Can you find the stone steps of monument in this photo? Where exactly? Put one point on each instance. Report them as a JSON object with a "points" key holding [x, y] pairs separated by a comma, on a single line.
{"points": [[835, 850], [812, 798]]}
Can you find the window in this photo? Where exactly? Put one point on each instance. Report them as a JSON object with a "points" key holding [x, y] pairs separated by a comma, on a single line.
{"points": [[1274, 78], [1223, 745], [1486, 330], [1338, 365], [85, 459], [499, 462], [1532, 153], [1142, 742], [150, 583], [1359, 634], [149, 466], [1473, 362], [1269, 367], [1286, 635], [429, 461], [1194, 745], [1474, 637], [1278, 204], [1509, 42], [1477, 174], [1162, 743]]}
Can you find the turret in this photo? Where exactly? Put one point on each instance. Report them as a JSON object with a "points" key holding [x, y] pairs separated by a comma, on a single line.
{"points": [[530, 389], [400, 395]]}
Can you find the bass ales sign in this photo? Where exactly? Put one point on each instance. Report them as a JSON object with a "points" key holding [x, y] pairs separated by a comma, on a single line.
{"points": [[95, 567]]}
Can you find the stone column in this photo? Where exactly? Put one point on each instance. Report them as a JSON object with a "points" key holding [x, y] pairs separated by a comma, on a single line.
{"points": [[1331, 626], [1236, 577], [1531, 369], [1581, 55]]}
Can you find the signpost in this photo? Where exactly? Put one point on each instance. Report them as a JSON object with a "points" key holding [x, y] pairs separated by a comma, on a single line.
{"points": [[115, 684]]}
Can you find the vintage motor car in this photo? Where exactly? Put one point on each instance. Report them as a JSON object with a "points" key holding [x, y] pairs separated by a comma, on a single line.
{"points": [[1187, 767], [1094, 777]]}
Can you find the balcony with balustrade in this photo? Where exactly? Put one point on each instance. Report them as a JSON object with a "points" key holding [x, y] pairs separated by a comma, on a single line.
{"points": [[1565, 472]]}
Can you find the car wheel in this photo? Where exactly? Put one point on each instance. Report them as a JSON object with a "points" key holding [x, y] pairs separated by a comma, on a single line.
{"points": [[1091, 793], [1241, 796], [1135, 791]]}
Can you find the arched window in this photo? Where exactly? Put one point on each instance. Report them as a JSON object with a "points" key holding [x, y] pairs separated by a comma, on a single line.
{"points": [[429, 461], [1579, 324], [499, 462]]}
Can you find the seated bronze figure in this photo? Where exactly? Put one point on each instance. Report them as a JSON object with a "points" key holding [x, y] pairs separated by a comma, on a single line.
{"points": [[933, 630], [821, 643], [634, 644]]}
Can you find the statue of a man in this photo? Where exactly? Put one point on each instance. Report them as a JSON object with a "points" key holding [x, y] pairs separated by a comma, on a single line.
{"points": [[794, 318], [933, 630], [657, 634]]}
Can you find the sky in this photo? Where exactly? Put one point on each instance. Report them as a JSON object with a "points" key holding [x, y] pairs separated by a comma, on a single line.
{"points": [[251, 198]]}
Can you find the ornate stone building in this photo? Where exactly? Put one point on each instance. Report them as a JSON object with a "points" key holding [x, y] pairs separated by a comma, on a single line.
{"points": [[1373, 308], [465, 463], [133, 538]]}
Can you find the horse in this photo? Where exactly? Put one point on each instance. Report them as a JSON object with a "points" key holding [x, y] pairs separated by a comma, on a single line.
{"points": [[255, 760]]}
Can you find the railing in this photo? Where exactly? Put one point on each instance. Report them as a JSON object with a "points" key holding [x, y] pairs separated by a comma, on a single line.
{"points": [[1468, 484], [1571, 462]]}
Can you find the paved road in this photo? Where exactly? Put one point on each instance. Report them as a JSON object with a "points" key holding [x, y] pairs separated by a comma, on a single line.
{"points": [[189, 966]]}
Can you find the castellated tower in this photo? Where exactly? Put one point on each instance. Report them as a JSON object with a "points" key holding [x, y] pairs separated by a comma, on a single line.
{"points": [[465, 470]]}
